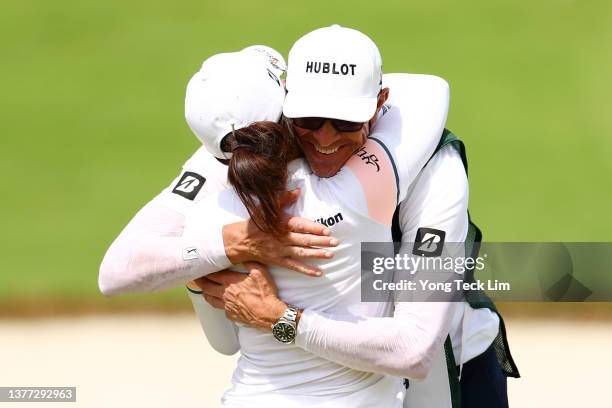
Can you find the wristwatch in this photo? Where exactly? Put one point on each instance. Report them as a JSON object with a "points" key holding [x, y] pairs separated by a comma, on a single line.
{"points": [[284, 330]]}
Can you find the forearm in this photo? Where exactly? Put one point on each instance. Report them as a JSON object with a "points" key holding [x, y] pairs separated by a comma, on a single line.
{"points": [[403, 345], [151, 254], [219, 331]]}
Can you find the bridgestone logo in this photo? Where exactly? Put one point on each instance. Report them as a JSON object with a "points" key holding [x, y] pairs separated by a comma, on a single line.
{"points": [[189, 185], [428, 242]]}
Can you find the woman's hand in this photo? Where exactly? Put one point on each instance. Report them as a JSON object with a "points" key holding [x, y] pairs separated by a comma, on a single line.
{"points": [[306, 239], [250, 298]]}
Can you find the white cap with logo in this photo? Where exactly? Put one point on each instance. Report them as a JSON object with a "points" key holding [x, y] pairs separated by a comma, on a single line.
{"points": [[233, 90], [333, 72]]}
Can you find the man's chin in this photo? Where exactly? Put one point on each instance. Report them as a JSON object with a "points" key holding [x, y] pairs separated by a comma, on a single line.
{"points": [[322, 168], [326, 166]]}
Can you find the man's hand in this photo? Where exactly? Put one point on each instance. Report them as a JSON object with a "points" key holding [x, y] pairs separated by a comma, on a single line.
{"points": [[246, 298], [245, 242], [213, 285]]}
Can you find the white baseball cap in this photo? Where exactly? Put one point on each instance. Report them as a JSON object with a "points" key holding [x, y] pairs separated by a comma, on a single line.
{"points": [[333, 72], [233, 90], [274, 60]]}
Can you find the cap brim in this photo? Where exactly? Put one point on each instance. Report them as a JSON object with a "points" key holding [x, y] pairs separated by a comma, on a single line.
{"points": [[333, 107]]}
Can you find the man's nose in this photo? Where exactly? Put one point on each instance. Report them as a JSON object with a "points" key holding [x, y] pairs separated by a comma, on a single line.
{"points": [[326, 135]]}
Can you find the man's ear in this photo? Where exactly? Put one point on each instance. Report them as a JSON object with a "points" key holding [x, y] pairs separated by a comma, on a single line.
{"points": [[383, 95]]}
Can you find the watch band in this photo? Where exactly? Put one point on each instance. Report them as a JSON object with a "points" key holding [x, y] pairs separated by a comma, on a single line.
{"points": [[290, 313]]}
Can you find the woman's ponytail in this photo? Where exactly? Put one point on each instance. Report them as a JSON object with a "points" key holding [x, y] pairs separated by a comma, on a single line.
{"points": [[258, 171]]}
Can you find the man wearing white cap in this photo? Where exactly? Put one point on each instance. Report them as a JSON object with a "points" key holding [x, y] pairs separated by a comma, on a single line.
{"points": [[335, 91], [335, 73]]}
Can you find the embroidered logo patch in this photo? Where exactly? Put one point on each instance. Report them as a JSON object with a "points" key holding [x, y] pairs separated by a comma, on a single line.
{"points": [[429, 242], [189, 185], [190, 253]]}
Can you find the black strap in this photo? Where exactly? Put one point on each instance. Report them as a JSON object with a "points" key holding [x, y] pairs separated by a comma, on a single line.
{"points": [[453, 378]]}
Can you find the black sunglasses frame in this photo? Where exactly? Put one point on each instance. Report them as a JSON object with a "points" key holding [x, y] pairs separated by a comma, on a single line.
{"points": [[315, 123]]}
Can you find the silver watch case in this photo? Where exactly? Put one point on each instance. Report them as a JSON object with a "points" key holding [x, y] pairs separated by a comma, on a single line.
{"points": [[285, 329]]}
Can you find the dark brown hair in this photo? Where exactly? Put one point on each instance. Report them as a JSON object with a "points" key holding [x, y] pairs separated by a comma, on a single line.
{"points": [[258, 171]]}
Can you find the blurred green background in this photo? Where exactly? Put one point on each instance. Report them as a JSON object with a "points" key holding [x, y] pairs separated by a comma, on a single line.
{"points": [[92, 120]]}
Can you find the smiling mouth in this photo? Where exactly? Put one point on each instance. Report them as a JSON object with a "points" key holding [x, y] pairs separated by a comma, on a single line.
{"points": [[326, 150]]}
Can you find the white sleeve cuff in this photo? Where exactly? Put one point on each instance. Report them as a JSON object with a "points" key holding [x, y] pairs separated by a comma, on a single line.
{"points": [[306, 326], [210, 247]]}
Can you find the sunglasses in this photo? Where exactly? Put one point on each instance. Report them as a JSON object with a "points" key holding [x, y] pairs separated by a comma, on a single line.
{"points": [[312, 123]]}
